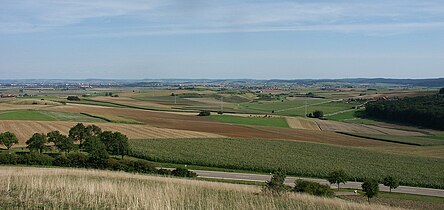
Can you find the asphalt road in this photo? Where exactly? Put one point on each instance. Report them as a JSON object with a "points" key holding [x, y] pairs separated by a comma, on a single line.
{"points": [[290, 181]]}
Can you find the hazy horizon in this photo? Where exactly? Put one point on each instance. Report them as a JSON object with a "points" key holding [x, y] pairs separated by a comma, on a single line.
{"points": [[221, 39]]}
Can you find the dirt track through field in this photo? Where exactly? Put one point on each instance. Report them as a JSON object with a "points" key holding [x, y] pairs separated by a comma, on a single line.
{"points": [[25, 129]]}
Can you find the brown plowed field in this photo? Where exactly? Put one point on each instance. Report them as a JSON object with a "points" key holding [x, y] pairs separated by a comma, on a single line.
{"points": [[130, 101], [24, 129], [328, 125], [203, 124]]}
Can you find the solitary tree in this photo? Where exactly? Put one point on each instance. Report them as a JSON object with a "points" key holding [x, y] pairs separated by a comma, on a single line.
{"points": [[8, 139], [318, 114], [37, 142], [370, 188], [441, 91], [276, 183], [338, 177], [62, 142], [391, 182]]}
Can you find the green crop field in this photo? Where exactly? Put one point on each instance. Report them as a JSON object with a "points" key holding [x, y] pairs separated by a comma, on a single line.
{"points": [[268, 106], [343, 116], [274, 121], [40, 115], [412, 140], [297, 158], [297, 107]]}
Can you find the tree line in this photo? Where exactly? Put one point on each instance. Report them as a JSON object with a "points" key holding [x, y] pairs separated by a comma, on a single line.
{"points": [[370, 187], [84, 147], [426, 111]]}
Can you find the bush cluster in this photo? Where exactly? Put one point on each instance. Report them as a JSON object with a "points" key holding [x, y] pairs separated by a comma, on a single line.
{"points": [[204, 113], [313, 188], [82, 160]]}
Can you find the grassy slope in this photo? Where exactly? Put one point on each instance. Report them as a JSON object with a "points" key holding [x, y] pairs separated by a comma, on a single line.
{"points": [[45, 188], [40, 115], [297, 158], [275, 122], [343, 116], [408, 201]]}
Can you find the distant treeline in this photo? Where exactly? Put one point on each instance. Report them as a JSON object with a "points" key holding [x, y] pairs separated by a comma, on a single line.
{"points": [[426, 111]]}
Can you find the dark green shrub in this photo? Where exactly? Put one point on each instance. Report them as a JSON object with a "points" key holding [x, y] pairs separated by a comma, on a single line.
{"points": [[73, 98], [61, 160], [313, 188], [204, 113], [116, 165], [77, 160], [183, 172], [141, 166], [10, 159], [35, 158], [163, 171], [276, 184]]}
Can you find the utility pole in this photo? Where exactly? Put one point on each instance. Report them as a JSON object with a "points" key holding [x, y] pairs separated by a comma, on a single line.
{"points": [[175, 101]]}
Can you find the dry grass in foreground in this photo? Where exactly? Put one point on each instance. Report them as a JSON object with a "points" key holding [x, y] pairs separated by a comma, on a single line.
{"points": [[49, 188]]}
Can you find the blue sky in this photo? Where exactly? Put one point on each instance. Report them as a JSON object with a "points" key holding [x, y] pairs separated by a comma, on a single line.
{"points": [[263, 39]]}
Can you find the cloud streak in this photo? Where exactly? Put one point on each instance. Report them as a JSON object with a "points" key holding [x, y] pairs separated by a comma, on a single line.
{"points": [[142, 18]]}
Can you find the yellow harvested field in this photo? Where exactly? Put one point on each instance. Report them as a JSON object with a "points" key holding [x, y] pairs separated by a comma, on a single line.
{"points": [[207, 100], [302, 123], [25, 129], [361, 128]]}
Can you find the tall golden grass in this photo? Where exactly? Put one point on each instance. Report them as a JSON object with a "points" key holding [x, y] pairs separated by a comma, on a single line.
{"points": [[55, 188]]}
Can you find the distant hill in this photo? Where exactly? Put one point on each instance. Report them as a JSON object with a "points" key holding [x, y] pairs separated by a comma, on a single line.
{"points": [[433, 82]]}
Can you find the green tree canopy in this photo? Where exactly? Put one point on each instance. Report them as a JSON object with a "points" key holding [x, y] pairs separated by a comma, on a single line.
{"points": [[391, 182], [62, 142], [8, 139], [318, 114], [276, 184], [37, 142], [338, 177], [370, 188], [81, 133], [96, 149], [78, 133], [116, 143]]}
